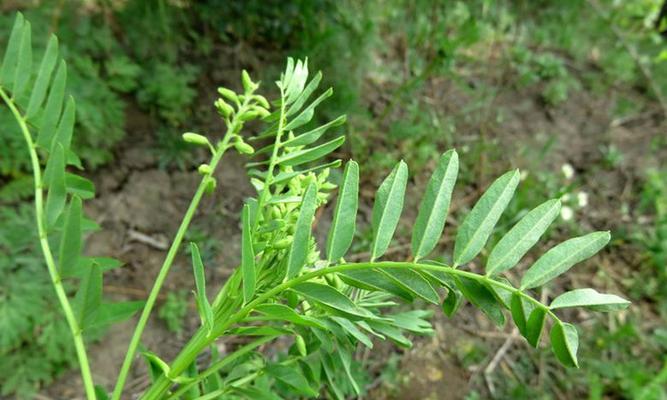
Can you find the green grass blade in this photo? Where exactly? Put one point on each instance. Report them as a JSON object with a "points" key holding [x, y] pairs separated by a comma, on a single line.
{"points": [[435, 205], [562, 257], [522, 237], [479, 223], [343, 224], [11, 57], [43, 78], [301, 242], [387, 209], [247, 256]]}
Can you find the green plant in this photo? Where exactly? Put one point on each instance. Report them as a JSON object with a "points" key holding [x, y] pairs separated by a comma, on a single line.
{"points": [[284, 286], [174, 310]]}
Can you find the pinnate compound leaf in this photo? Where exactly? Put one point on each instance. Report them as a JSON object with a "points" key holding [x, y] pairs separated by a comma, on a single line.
{"points": [[70, 242], [564, 343], [247, 256], [301, 242], [479, 223], [435, 205], [516, 243], [589, 298], [562, 257], [57, 194], [11, 57], [479, 295], [205, 310], [535, 325], [330, 297], [342, 228], [387, 209], [43, 78]]}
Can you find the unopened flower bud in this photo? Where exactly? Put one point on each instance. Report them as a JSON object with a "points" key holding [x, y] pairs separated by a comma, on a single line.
{"points": [[262, 101], [228, 94], [244, 148], [225, 109], [248, 84], [211, 184], [204, 169], [195, 138], [283, 243]]}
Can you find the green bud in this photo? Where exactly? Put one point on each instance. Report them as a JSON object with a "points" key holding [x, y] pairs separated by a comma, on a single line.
{"points": [[262, 101], [283, 243], [261, 112], [225, 109], [301, 345], [195, 138], [275, 212], [211, 184], [228, 94], [248, 84], [249, 115], [243, 148], [204, 169]]}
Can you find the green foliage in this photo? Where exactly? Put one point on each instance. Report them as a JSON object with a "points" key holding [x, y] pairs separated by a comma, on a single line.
{"points": [[330, 306], [173, 311], [35, 346]]}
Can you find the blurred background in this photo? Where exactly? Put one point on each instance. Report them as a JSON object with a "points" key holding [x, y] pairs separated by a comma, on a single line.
{"points": [[572, 92]]}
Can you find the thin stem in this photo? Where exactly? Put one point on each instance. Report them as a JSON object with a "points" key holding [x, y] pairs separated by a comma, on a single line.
{"points": [[171, 254], [199, 342], [66, 306]]}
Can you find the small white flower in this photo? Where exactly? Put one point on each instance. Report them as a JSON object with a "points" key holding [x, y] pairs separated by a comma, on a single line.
{"points": [[565, 198], [566, 213], [567, 170], [524, 175], [582, 199]]}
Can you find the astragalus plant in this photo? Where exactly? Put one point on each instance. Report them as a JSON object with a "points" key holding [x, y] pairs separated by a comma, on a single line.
{"points": [[288, 285]]}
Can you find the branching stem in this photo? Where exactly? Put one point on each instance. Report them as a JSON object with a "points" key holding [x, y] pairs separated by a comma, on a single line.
{"points": [[65, 304], [200, 341], [173, 251]]}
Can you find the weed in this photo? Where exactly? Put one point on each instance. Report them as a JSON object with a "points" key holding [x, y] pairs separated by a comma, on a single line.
{"points": [[285, 287]]}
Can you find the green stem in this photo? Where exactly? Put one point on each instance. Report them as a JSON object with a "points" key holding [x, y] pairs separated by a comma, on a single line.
{"points": [[199, 342], [66, 306], [218, 365], [171, 254]]}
